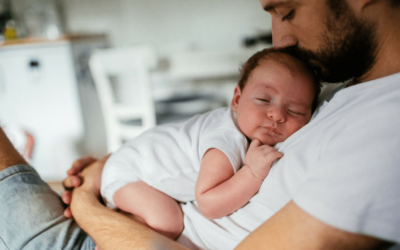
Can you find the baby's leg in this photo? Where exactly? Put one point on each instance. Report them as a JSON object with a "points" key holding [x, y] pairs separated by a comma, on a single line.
{"points": [[159, 211]]}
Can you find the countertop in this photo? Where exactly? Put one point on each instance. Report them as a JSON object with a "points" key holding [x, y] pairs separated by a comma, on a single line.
{"points": [[64, 38]]}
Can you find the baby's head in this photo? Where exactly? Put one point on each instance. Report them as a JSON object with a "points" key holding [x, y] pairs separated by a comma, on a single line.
{"points": [[275, 97]]}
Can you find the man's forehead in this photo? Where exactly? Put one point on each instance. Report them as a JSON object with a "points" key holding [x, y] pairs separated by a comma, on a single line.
{"points": [[271, 4]]}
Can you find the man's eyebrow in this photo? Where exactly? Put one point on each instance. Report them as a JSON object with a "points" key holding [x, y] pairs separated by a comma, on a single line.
{"points": [[272, 5]]}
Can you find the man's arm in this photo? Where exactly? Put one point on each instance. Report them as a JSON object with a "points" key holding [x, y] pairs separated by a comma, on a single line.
{"points": [[8, 154], [109, 229], [292, 228]]}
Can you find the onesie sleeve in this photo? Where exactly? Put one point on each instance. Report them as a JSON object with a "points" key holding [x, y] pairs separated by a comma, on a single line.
{"points": [[118, 171], [230, 141]]}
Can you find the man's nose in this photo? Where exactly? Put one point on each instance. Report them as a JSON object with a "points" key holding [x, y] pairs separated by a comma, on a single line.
{"points": [[281, 35], [276, 114]]}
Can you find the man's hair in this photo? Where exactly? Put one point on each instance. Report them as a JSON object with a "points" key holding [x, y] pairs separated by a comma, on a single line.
{"points": [[273, 54], [339, 6], [395, 3]]}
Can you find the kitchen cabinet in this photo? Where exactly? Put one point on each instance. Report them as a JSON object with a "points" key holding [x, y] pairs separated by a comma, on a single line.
{"points": [[39, 91]]}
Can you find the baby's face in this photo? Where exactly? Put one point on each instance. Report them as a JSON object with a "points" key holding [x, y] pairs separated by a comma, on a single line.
{"points": [[275, 102]]}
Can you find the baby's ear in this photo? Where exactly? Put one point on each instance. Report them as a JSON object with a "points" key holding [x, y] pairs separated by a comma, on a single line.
{"points": [[236, 98]]}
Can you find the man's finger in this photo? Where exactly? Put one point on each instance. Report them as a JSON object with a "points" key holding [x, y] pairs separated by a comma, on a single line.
{"points": [[80, 164], [71, 182], [66, 197], [68, 213]]}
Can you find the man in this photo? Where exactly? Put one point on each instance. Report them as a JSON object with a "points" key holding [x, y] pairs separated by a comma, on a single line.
{"points": [[342, 40], [336, 187]]}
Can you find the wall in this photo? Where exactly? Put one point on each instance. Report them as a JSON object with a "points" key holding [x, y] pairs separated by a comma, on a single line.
{"points": [[170, 25]]}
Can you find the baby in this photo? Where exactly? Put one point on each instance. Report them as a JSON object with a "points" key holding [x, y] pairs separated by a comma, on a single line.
{"points": [[204, 158]]}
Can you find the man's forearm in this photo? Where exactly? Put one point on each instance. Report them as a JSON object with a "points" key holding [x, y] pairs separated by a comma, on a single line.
{"points": [[293, 228], [111, 230], [8, 154]]}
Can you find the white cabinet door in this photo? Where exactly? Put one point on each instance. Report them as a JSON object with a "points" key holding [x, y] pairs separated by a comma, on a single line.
{"points": [[38, 91]]}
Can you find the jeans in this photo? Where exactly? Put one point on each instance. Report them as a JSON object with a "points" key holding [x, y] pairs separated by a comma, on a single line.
{"points": [[31, 214]]}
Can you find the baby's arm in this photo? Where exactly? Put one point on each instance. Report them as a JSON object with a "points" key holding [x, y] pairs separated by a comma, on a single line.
{"points": [[219, 191]]}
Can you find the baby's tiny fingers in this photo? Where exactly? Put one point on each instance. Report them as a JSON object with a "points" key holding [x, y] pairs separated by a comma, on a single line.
{"points": [[255, 143], [272, 156], [267, 149]]}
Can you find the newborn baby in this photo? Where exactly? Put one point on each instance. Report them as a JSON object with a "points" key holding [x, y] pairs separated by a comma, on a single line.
{"points": [[208, 157]]}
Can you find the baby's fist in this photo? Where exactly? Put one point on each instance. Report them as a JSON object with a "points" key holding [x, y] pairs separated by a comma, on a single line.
{"points": [[259, 158]]}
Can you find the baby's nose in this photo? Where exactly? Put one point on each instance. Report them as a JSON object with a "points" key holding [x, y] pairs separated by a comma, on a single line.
{"points": [[276, 114]]}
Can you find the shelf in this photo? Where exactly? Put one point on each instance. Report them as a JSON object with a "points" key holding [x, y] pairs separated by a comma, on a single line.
{"points": [[64, 38]]}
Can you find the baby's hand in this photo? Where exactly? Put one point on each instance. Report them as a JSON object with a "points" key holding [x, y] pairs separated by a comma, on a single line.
{"points": [[259, 158]]}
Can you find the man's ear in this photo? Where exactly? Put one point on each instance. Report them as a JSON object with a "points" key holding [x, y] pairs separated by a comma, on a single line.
{"points": [[236, 98]]}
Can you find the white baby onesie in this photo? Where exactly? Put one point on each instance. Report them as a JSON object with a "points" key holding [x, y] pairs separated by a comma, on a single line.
{"points": [[168, 157]]}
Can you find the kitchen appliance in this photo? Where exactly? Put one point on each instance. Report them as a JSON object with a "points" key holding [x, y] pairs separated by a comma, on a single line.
{"points": [[46, 88]]}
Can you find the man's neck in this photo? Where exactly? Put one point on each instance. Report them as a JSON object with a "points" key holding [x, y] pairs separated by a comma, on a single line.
{"points": [[387, 60]]}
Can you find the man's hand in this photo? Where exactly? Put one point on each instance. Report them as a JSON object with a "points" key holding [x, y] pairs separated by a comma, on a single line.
{"points": [[259, 158], [89, 188], [91, 176], [73, 180], [107, 227]]}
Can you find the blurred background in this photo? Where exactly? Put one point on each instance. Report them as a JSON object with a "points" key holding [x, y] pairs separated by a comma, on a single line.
{"points": [[83, 76]]}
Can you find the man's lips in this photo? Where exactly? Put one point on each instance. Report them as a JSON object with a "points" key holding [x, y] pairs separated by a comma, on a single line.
{"points": [[273, 130]]}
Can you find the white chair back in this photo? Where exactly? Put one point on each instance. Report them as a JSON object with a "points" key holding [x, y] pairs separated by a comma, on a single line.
{"points": [[133, 65]]}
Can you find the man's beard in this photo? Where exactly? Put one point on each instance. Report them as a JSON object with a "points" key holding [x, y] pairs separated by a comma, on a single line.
{"points": [[348, 47]]}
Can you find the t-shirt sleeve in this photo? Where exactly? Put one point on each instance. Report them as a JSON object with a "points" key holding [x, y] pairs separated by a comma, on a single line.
{"points": [[355, 184], [229, 140]]}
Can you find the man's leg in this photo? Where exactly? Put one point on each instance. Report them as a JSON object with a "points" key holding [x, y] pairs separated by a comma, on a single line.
{"points": [[31, 214]]}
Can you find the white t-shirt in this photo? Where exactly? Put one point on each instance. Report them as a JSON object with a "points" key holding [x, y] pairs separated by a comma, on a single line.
{"points": [[168, 157], [342, 168]]}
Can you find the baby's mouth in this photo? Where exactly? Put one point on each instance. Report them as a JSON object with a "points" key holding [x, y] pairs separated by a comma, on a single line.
{"points": [[273, 130]]}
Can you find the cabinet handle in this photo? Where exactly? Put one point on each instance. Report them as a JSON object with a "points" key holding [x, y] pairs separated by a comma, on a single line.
{"points": [[34, 64]]}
